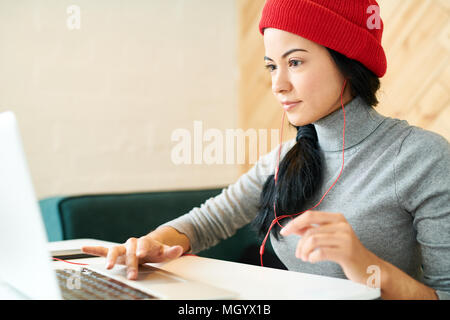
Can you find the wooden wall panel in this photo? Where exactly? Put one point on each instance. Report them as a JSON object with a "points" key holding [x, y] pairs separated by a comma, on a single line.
{"points": [[415, 88]]}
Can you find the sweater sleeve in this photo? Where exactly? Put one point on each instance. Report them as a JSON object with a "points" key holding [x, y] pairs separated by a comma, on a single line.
{"points": [[422, 182], [221, 216]]}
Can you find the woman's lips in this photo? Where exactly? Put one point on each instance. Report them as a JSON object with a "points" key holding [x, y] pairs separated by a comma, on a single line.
{"points": [[288, 106]]}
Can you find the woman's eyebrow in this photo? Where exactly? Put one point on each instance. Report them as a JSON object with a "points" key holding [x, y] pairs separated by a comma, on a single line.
{"points": [[286, 54]]}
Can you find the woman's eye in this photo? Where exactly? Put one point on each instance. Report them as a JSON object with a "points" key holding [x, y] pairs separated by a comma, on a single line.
{"points": [[297, 62], [269, 67], [294, 63]]}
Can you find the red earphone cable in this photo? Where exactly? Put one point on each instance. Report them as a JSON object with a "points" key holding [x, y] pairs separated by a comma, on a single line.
{"points": [[278, 218], [77, 263], [278, 166]]}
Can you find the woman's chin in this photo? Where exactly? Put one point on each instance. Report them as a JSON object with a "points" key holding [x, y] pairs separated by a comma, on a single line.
{"points": [[298, 120]]}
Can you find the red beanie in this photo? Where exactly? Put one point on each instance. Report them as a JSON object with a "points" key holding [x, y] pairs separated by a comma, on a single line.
{"points": [[346, 26]]}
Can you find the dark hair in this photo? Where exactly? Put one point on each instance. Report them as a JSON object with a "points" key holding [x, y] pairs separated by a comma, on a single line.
{"points": [[363, 82], [300, 173]]}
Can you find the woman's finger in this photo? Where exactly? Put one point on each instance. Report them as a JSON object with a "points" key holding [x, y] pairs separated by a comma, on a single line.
{"points": [[150, 250], [172, 252], [96, 251], [310, 231], [325, 253], [326, 228], [314, 242], [131, 259], [146, 248], [113, 254], [312, 217]]}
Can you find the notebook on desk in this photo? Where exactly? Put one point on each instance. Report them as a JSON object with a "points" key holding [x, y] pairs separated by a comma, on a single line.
{"points": [[26, 261]]}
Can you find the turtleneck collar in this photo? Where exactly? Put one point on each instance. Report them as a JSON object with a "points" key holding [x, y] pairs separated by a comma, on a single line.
{"points": [[360, 121]]}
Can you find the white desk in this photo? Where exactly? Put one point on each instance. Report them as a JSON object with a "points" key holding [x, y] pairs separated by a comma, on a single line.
{"points": [[250, 282]]}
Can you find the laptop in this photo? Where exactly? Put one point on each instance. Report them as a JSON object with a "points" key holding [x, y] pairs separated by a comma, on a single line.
{"points": [[26, 263]]}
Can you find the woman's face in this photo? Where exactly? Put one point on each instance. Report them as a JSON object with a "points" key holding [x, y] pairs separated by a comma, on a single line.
{"points": [[303, 70]]}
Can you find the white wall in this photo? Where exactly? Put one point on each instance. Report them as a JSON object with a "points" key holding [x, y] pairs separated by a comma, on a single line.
{"points": [[97, 105]]}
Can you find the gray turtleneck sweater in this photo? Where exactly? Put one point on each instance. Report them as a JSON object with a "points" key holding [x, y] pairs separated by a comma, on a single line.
{"points": [[394, 191]]}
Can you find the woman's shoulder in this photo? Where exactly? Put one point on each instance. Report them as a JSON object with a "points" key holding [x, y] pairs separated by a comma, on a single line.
{"points": [[424, 142], [409, 138], [424, 152]]}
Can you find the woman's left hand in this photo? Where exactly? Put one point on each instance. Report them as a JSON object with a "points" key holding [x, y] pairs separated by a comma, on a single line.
{"points": [[329, 236]]}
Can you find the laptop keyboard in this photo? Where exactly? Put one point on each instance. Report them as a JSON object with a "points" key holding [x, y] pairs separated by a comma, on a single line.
{"points": [[86, 284]]}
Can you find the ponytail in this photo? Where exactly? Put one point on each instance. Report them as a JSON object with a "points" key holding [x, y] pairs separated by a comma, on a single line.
{"points": [[299, 178]]}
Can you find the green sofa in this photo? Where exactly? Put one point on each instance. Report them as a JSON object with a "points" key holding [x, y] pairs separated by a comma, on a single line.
{"points": [[117, 217]]}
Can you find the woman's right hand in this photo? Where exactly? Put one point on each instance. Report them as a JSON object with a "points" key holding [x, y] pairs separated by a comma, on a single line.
{"points": [[134, 252]]}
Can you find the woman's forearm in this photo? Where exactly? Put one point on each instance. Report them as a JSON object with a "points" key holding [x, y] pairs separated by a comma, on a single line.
{"points": [[171, 237], [397, 285]]}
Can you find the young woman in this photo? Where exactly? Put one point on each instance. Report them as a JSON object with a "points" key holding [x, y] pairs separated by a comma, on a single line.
{"points": [[362, 190]]}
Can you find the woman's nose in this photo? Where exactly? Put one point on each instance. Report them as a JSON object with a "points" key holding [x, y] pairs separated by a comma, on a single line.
{"points": [[281, 82]]}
